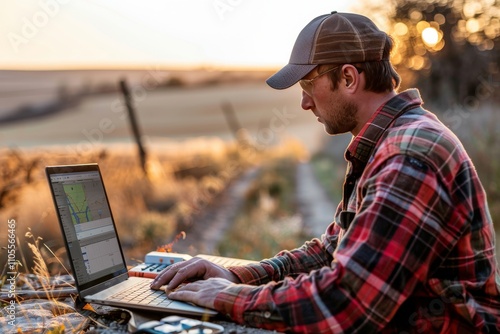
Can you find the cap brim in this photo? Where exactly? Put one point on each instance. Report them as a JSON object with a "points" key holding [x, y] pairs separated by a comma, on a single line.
{"points": [[289, 75]]}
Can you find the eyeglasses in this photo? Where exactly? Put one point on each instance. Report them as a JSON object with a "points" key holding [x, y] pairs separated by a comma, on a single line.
{"points": [[307, 84]]}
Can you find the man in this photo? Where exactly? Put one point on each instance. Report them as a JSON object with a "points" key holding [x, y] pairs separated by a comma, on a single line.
{"points": [[412, 245]]}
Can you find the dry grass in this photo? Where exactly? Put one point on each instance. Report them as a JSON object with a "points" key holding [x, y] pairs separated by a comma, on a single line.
{"points": [[34, 317], [182, 179]]}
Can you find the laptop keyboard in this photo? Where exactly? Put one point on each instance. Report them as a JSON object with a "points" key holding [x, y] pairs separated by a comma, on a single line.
{"points": [[142, 294]]}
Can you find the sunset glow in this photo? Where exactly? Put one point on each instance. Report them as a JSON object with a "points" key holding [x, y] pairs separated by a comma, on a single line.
{"points": [[189, 33]]}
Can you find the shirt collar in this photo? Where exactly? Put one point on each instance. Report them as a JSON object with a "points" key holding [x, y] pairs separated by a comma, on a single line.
{"points": [[361, 146]]}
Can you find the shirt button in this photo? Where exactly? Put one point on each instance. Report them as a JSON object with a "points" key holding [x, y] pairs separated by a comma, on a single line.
{"points": [[267, 314]]}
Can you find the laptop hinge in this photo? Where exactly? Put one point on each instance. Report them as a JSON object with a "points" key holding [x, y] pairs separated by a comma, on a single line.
{"points": [[104, 285]]}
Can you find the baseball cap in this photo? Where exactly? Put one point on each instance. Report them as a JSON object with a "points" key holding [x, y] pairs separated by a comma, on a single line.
{"points": [[335, 38]]}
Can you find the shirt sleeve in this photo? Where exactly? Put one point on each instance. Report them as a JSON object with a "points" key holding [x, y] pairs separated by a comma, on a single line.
{"points": [[312, 255], [405, 225]]}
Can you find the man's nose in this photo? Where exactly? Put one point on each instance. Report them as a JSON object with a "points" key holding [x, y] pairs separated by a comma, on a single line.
{"points": [[307, 102]]}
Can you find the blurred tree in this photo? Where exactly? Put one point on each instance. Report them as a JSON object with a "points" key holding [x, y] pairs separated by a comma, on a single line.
{"points": [[448, 48]]}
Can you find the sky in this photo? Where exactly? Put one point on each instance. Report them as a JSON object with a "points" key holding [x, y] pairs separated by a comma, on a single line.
{"points": [[59, 34]]}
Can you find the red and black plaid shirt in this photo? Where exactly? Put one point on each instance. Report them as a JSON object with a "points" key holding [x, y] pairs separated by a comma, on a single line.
{"points": [[419, 255]]}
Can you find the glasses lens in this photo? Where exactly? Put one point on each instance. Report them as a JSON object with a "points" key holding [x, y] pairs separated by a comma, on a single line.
{"points": [[306, 85]]}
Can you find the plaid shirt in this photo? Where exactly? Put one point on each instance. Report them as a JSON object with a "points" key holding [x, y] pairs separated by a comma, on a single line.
{"points": [[419, 255]]}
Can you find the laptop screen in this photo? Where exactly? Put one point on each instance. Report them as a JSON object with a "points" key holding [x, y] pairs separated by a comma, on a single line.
{"points": [[87, 223]]}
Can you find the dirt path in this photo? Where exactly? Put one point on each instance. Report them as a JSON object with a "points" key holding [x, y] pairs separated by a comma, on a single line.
{"points": [[315, 207], [211, 226], [313, 204]]}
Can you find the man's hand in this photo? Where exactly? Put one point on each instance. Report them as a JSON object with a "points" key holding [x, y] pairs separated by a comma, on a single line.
{"points": [[193, 269], [201, 293]]}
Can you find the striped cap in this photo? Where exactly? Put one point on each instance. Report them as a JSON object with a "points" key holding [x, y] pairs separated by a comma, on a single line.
{"points": [[335, 38]]}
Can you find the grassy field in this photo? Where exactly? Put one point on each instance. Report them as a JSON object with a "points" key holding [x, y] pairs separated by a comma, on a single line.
{"points": [[149, 211], [190, 141]]}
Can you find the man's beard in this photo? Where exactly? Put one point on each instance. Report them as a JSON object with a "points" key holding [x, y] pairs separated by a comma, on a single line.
{"points": [[343, 119]]}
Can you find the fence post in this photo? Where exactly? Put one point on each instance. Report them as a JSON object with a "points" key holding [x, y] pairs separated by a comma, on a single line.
{"points": [[241, 137], [133, 124], [231, 119]]}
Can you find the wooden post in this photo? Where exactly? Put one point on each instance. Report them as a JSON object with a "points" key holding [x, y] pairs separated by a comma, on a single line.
{"points": [[133, 124], [241, 137], [232, 121]]}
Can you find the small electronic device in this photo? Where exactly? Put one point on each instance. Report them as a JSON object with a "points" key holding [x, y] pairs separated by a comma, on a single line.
{"points": [[155, 262], [176, 324]]}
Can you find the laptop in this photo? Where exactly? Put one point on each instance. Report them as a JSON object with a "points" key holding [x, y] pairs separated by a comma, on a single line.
{"points": [[94, 249]]}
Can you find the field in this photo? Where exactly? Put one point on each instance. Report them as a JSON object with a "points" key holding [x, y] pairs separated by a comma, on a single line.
{"points": [[193, 154], [149, 210]]}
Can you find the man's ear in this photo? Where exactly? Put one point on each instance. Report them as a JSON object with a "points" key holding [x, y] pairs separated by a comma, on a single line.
{"points": [[350, 77]]}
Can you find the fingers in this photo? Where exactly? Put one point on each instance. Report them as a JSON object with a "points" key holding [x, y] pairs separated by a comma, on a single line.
{"points": [[188, 272], [179, 273], [195, 268], [187, 294], [202, 293], [166, 275]]}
